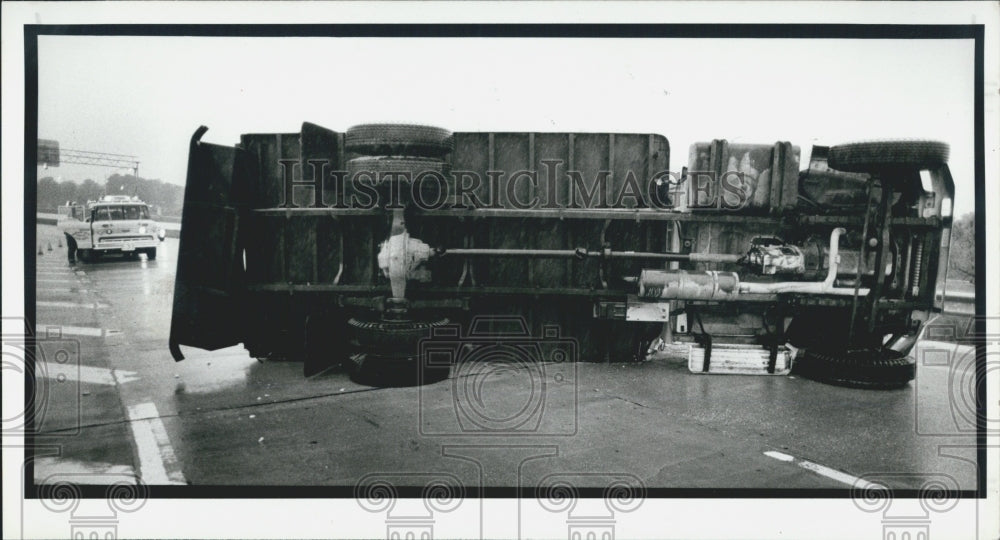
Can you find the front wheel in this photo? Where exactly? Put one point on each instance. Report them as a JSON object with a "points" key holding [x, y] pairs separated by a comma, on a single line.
{"points": [[151, 253], [862, 368], [866, 157]]}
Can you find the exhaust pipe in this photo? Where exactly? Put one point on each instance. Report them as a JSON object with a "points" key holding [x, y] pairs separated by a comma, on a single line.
{"points": [[681, 285]]}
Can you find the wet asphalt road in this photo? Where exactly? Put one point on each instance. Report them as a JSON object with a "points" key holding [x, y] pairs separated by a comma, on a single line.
{"points": [[115, 404]]}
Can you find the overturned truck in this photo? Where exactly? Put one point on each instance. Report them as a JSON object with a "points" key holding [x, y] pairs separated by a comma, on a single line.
{"points": [[359, 248]]}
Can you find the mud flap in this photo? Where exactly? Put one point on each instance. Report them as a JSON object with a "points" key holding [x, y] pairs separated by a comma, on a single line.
{"points": [[209, 283], [325, 334]]}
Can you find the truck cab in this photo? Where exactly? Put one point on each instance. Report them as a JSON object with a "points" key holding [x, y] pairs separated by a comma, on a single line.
{"points": [[113, 224]]}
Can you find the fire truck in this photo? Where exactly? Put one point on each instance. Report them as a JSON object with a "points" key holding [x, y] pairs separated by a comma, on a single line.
{"points": [[335, 246], [112, 224]]}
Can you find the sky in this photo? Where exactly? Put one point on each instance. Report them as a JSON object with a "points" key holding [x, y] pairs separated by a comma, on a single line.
{"points": [[145, 96]]}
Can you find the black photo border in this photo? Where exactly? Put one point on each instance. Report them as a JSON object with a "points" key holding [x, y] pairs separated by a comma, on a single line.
{"points": [[416, 31]]}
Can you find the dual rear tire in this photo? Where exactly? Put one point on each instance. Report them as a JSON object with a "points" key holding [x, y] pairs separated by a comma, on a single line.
{"points": [[399, 140], [417, 153], [390, 346], [391, 352]]}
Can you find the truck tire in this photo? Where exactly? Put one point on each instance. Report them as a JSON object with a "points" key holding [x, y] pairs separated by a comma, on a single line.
{"points": [[879, 155], [85, 255], [391, 353], [326, 343], [865, 368], [398, 140], [389, 370], [432, 188], [392, 336], [151, 254], [380, 165]]}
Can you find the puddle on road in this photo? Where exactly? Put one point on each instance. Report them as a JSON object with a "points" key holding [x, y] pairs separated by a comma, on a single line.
{"points": [[216, 373]]}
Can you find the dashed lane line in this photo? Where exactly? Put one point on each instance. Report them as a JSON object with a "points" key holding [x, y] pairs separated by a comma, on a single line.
{"points": [[158, 463], [60, 304], [84, 374], [86, 331], [70, 290], [825, 471]]}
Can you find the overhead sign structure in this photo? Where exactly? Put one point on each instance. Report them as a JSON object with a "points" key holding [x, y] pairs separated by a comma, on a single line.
{"points": [[48, 152], [50, 155]]}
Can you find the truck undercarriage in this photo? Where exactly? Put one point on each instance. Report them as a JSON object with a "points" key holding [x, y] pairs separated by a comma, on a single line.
{"points": [[379, 246]]}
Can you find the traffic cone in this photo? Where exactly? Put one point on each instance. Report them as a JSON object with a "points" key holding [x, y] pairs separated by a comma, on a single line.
{"points": [[50, 246], [40, 252]]}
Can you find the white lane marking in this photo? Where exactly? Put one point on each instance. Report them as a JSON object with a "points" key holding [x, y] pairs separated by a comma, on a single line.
{"points": [[822, 470], [127, 272], [70, 330], [47, 280], [85, 374], [60, 290], [779, 456], [66, 272], [57, 304], [157, 461], [88, 331], [51, 470]]}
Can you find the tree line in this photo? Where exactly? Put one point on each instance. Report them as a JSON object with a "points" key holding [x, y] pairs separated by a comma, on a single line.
{"points": [[169, 198]]}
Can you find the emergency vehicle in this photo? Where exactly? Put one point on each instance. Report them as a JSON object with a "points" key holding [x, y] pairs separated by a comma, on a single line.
{"points": [[113, 224]]}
